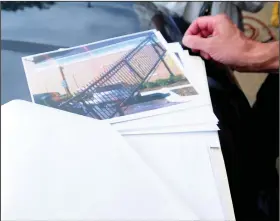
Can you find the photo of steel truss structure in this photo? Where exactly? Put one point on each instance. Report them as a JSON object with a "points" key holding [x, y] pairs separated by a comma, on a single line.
{"points": [[112, 78]]}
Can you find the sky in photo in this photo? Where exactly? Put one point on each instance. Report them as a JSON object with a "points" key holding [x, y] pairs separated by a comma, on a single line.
{"points": [[83, 52]]}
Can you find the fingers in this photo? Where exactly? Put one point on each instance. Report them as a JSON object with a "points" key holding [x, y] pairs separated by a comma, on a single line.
{"points": [[205, 24], [197, 43], [205, 55], [205, 33], [194, 50], [197, 35], [201, 28]]}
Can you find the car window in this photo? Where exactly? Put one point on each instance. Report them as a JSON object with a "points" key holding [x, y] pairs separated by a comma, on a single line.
{"points": [[64, 24], [13, 80]]}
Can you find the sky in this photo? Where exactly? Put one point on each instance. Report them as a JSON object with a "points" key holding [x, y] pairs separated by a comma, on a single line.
{"points": [[105, 45], [95, 50]]}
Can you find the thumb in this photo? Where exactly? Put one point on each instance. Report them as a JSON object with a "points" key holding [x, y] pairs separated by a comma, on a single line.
{"points": [[196, 42]]}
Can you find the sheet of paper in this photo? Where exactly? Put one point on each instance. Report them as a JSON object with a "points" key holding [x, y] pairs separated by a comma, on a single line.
{"points": [[211, 140], [203, 127], [198, 111], [56, 165], [182, 160], [218, 165], [191, 116], [220, 174], [197, 75], [118, 79]]}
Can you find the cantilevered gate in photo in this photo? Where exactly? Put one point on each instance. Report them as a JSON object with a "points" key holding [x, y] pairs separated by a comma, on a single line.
{"points": [[118, 87]]}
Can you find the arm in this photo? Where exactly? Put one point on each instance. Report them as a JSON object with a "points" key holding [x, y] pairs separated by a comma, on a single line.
{"points": [[264, 57]]}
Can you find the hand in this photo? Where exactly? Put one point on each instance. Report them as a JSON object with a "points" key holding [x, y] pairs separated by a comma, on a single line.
{"points": [[217, 38]]}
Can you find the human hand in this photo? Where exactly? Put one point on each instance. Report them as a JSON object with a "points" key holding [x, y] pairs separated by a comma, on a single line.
{"points": [[217, 38]]}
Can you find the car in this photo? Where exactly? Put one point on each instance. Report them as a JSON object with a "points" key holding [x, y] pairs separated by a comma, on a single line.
{"points": [[49, 99]]}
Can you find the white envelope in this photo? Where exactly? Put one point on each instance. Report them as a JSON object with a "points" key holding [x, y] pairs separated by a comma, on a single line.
{"points": [[56, 165], [182, 161]]}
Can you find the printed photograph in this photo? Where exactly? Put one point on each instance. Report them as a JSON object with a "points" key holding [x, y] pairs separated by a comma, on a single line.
{"points": [[113, 78]]}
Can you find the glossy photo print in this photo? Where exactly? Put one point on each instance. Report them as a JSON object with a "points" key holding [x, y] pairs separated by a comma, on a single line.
{"points": [[133, 75]]}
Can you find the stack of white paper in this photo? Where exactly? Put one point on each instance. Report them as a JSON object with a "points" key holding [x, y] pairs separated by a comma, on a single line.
{"points": [[141, 148]]}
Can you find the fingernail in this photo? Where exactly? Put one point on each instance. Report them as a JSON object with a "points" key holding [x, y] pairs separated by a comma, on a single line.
{"points": [[186, 40]]}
